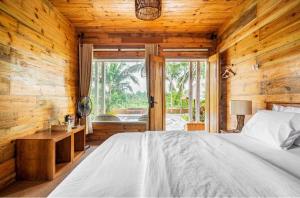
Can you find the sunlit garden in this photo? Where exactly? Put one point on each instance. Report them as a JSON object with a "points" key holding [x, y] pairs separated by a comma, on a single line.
{"points": [[177, 96], [119, 91]]}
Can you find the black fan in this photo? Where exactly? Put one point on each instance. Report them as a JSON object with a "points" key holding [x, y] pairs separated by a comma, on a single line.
{"points": [[84, 107]]}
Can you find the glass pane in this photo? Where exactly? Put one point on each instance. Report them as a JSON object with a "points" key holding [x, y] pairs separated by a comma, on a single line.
{"points": [[177, 83], [177, 94], [202, 91], [119, 91]]}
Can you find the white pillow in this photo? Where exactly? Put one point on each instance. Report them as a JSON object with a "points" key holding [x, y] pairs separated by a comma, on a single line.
{"points": [[278, 129], [285, 109], [288, 109], [277, 107]]}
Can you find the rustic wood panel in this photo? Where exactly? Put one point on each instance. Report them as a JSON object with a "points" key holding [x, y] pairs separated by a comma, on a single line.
{"points": [[248, 16], [223, 96], [157, 112], [214, 93], [103, 130], [141, 54], [271, 40], [272, 103], [267, 11], [119, 55], [119, 15], [165, 40], [38, 71], [184, 54], [138, 40], [7, 173]]}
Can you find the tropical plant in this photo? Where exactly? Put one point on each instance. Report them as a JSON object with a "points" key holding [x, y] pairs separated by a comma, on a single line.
{"points": [[138, 68], [175, 71], [183, 79], [177, 76], [119, 77]]}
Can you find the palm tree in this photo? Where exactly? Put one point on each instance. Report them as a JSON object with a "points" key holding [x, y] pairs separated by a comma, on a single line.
{"points": [[175, 71], [118, 81], [177, 76], [138, 67], [183, 79]]}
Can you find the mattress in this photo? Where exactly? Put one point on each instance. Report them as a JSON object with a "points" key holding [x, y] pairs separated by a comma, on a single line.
{"points": [[181, 164]]}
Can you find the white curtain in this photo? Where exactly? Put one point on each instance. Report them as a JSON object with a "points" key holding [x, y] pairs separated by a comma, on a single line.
{"points": [[85, 70]]}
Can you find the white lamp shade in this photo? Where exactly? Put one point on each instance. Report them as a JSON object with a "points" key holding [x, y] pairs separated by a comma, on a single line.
{"points": [[241, 107]]}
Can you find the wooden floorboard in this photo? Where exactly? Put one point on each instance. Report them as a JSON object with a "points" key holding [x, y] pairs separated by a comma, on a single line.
{"points": [[42, 188]]}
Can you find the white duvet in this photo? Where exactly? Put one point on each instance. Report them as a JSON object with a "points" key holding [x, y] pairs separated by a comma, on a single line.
{"points": [[181, 164]]}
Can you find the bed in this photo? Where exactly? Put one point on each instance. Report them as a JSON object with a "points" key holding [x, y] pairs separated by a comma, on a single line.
{"points": [[181, 164]]}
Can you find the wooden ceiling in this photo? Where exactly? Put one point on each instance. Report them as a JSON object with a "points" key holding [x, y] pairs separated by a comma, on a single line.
{"points": [[184, 16]]}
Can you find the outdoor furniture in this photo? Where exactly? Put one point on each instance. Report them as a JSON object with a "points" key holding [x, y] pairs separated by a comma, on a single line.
{"points": [[195, 126], [107, 117]]}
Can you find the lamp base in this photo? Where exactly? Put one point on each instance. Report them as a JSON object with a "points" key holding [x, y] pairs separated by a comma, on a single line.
{"points": [[240, 122]]}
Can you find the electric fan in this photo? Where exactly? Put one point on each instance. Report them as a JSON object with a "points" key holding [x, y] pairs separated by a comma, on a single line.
{"points": [[84, 107]]}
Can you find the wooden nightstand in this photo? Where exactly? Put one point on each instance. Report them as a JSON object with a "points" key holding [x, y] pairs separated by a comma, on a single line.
{"points": [[230, 131], [43, 155]]}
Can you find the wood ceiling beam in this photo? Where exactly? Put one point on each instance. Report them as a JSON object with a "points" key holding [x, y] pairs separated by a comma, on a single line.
{"points": [[119, 55], [141, 54], [185, 55], [172, 40], [131, 46]]}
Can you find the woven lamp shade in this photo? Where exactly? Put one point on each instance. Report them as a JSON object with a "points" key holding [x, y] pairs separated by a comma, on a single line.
{"points": [[147, 10]]}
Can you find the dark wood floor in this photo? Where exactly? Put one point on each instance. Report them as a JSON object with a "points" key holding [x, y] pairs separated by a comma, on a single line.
{"points": [[42, 188]]}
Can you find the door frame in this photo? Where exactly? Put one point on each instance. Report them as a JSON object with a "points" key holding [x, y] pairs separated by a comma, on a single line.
{"points": [[209, 126], [153, 58]]}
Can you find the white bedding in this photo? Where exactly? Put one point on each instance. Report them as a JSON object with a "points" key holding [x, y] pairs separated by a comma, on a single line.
{"points": [[172, 164]]}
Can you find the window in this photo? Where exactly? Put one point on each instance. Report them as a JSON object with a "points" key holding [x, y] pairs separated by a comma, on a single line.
{"points": [[118, 90]]}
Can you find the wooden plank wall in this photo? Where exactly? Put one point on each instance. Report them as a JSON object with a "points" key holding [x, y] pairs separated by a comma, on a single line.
{"points": [[138, 40], [38, 73], [264, 32], [166, 40], [141, 55]]}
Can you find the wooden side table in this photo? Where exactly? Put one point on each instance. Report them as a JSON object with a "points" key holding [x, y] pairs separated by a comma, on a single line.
{"points": [[42, 156], [195, 126]]}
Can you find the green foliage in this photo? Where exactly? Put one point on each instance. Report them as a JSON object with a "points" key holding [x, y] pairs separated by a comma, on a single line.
{"points": [[119, 93], [128, 100], [185, 117], [177, 76], [120, 78], [176, 72], [137, 100], [177, 100]]}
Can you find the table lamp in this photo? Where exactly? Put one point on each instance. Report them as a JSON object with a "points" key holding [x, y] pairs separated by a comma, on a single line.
{"points": [[240, 108]]}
